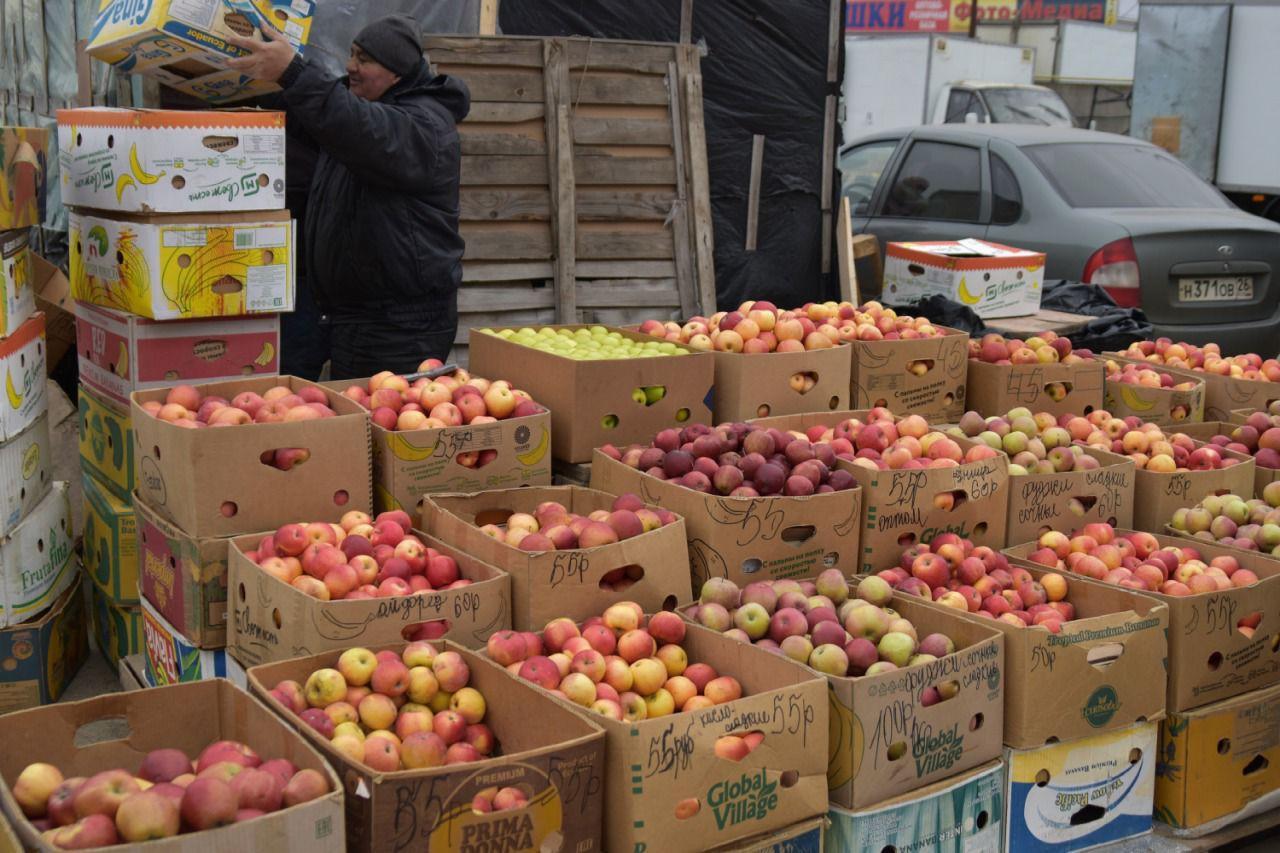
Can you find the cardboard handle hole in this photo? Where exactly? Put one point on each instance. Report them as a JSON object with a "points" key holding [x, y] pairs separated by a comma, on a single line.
{"points": [[686, 809], [243, 595], [1248, 624], [939, 693], [735, 747], [889, 848], [178, 182], [1042, 778], [799, 533], [284, 458], [275, 618], [1102, 656], [1256, 764], [763, 410], [476, 459], [682, 415], [155, 451], [906, 540], [976, 722], [920, 366], [79, 139], [506, 800], [1215, 660], [751, 565], [670, 602], [268, 256], [111, 140], [622, 578], [1275, 643], [980, 528], [229, 509], [949, 501], [341, 497], [1088, 814], [789, 778], [1059, 391], [803, 382], [1224, 746], [609, 421], [648, 395], [915, 269], [982, 819], [948, 398], [433, 630], [896, 750], [1135, 755], [102, 730], [1081, 504], [225, 285]]}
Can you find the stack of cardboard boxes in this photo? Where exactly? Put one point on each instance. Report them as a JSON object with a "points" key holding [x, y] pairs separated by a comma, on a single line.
{"points": [[181, 258], [42, 636]]}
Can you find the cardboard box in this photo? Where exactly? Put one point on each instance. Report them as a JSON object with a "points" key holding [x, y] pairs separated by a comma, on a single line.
{"points": [[53, 299], [1209, 659], [274, 621], [592, 402], [23, 180], [547, 585], [803, 837], [1163, 406], [171, 161], [212, 482], [121, 353], [110, 542], [1223, 394], [746, 539], [993, 280], [558, 753], [962, 814], [1059, 389], [1157, 496], [17, 295], [1220, 763], [183, 267], [925, 377], [1082, 793], [36, 562], [1262, 477], [26, 473], [660, 767], [223, 87], [172, 659], [408, 465], [39, 657], [184, 577], [117, 628], [131, 670], [188, 717], [22, 358], [1098, 669], [176, 40], [1071, 499], [106, 443], [900, 507], [758, 386], [885, 743]]}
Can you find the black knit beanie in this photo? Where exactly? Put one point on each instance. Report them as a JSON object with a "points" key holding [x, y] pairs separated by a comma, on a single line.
{"points": [[395, 42]]}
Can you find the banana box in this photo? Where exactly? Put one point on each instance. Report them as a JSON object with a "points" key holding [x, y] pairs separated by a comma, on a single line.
{"points": [[110, 542], [961, 814], [175, 40], [117, 629], [223, 87], [1081, 793], [36, 562], [17, 288], [171, 161], [22, 358], [24, 170], [26, 473], [121, 353], [106, 444], [172, 659], [181, 268], [1219, 764], [993, 280], [39, 657]]}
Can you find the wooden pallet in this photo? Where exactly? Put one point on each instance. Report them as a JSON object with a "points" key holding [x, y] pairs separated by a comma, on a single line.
{"points": [[584, 181]]}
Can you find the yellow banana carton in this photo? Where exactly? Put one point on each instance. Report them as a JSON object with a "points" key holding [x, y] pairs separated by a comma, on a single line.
{"points": [[106, 443], [174, 40], [171, 161], [117, 628], [26, 474], [121, 353], [179, 268], [17, 290], [36, 561], [22, 361], [110, 542], [39, 657], [24, 169], [993, 280]]}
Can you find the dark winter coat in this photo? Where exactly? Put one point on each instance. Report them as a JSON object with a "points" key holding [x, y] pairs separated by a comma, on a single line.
{"points": [[381, 230]]}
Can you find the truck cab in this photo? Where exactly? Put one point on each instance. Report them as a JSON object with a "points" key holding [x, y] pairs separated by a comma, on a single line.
{"points": [[1003, 103]]}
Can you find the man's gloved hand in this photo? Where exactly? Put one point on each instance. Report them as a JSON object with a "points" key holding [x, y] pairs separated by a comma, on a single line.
{"points": [[268, 57]]}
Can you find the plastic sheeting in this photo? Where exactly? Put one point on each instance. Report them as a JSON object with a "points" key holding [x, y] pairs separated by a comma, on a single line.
{"points": [[764, 72], [337, 22]]}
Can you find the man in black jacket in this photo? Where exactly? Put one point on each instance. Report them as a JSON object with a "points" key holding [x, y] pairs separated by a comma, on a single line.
{"points": [[382, 248]]}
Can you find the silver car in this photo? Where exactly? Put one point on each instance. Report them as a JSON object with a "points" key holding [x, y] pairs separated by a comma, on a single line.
{"points": [[1105, 209]]}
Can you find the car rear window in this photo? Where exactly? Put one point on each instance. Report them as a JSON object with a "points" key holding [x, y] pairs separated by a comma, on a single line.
{"points": [[1091, 174]]}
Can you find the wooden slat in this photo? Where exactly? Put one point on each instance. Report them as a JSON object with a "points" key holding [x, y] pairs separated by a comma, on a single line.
{"points": [[495, 298], [626, 269], [502, 111], [502, 84], [502, 139], [625, 245], [753, 191], [682, 242], [489, 271], [610, 204], [488, 17], [630, 316], [560, 170], [686, 21], [621, 131], [634, 57], [594, 87], [505, 204], [624, 170], [487, 170], [844, 249], [700, 186], [629, 293], [463, 50], [828, 160], [485, 244]]}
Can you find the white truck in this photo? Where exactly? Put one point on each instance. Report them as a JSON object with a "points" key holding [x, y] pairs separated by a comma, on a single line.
{"points": [[893, 81], [1205, 90]]}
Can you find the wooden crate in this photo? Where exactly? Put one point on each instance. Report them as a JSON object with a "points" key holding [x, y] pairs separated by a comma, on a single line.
{"points": [[584, 181]]}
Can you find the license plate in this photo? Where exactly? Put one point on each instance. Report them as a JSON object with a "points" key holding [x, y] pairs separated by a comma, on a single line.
{"points": [[1223, 288]]}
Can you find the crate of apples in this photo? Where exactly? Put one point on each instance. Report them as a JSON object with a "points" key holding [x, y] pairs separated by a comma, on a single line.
{"points": [[552, 527], [185, 406], [1151, 394], [1042, 371], [1046, 347], [1249, 523], [1208, 358], [1258, 436], [396, 403]]}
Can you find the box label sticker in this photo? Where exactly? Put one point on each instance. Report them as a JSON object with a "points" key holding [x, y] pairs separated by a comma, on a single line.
{"points": [[266, 287], [1101, 706]]}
